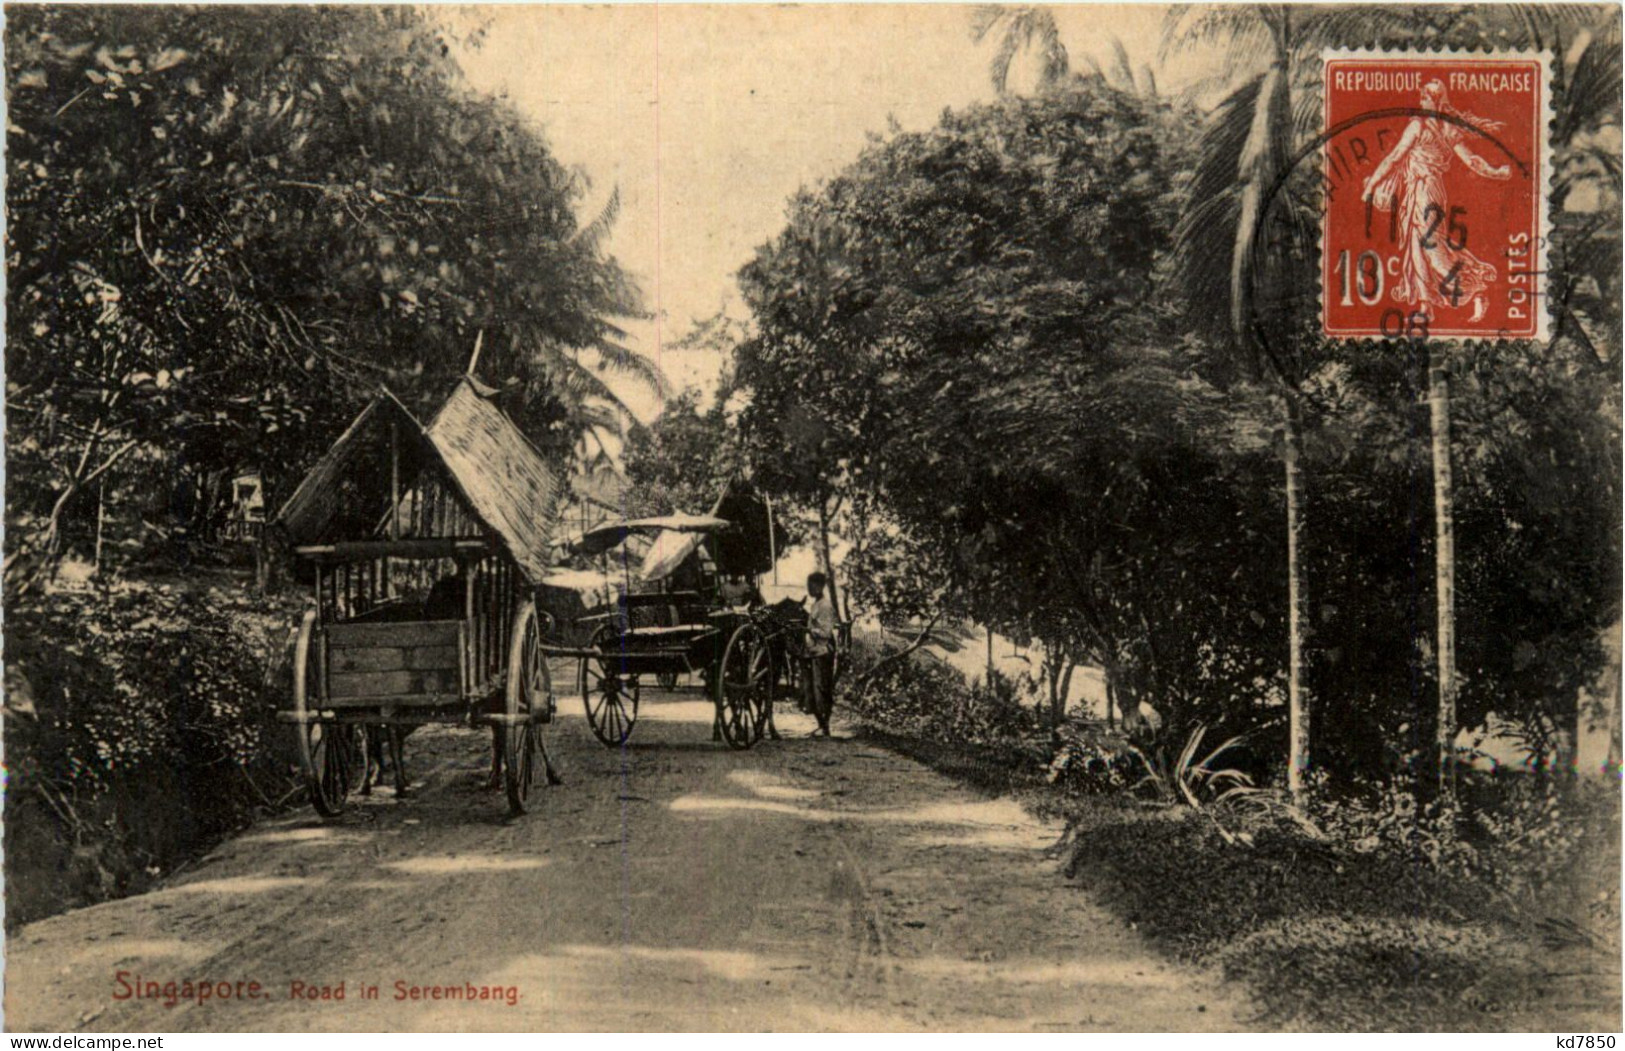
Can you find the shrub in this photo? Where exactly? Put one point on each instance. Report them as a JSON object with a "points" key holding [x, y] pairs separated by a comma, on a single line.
{"points": [[1375, 909], [1523, 836], [1089, 761], [139, 731], [1388, 818], [928, 699]]}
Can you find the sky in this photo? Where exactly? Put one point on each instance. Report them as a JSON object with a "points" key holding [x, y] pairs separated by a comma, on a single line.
{"points": [[708, 118]]}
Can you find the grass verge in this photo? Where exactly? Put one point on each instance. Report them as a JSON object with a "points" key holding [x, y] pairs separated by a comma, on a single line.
{"points": [[1319, 935]]}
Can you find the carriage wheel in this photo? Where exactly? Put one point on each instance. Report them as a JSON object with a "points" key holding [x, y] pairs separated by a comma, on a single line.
{"points": [[331, 754], [743, 683], [529, 708], [611, 699], [667, 680]]}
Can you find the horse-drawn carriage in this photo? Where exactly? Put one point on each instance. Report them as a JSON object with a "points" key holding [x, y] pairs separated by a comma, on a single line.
{"points": [[423, 546], [742, 655]]}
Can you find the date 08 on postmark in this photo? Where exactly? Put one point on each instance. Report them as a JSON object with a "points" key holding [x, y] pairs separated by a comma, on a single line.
{"points": [[1435, 221]]}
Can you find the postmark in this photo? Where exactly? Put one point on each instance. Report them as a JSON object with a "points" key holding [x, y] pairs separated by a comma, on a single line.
{"points": [[1436, 219]]}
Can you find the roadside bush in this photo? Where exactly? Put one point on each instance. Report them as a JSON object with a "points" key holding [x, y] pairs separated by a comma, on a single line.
{"points": [[932, 700], [1373, 905], [1359, 973], [1520, 835], [1089, 761], [1387, 818], [138, 732]]}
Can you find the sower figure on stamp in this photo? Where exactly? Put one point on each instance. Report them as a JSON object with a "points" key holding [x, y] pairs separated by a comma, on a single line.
{"points": [[1435, 269], [820, 677]]}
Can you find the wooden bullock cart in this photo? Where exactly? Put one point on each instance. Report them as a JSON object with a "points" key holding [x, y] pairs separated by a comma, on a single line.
{"points": [[423, 546]]}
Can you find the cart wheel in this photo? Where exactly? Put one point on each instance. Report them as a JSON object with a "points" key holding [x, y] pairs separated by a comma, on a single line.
{"points": [[529, 708], [610, 698], [743, 682], [329, 753], [667, 680]]}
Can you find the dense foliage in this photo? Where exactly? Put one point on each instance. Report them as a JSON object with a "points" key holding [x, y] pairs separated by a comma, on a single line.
{"points": [[964, 329], [228, 226], [978, 336], [138, 730], [680, 462]]}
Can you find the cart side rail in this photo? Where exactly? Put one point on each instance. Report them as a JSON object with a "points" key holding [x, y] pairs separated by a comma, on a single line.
{"points": [[406, 663]]}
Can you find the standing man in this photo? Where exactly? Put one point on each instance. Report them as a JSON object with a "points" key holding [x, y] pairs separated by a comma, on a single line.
{"points": [[820, 651]]}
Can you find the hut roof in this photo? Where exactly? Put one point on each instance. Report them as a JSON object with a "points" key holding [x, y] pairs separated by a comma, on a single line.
{"points": [[501, 477], [501, 474]]}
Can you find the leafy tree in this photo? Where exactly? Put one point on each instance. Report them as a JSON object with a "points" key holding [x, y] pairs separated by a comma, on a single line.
{"points": [[682, 461], [1270, 115], [963, 324], [1015, 29], [228, 226], [1536, 547]]}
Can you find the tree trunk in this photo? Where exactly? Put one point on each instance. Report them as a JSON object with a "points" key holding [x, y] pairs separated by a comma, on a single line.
{"points": [[1111, 700], [1614, 712], [1060, 689], [1297, 694], [101, 524], [1444, 560]]}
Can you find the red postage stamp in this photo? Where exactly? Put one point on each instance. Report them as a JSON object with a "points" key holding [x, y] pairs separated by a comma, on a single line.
{"points": [[1436, 167]]}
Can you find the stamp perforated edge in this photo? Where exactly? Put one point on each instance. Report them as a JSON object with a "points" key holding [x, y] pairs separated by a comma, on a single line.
{"points": [[1544, 176]]}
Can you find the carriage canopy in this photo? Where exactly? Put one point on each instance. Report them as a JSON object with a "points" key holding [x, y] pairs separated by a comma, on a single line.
{"points": [[469, 474]]}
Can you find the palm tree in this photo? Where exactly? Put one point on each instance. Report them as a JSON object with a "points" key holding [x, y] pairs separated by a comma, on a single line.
{"points": [[1223, 260], [1020, 29], [591, 377], [1274, 51]]}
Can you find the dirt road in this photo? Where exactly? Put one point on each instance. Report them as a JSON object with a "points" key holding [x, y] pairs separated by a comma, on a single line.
{"points": [[672, 884]]}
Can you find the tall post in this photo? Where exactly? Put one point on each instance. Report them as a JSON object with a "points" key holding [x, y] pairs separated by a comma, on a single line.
{"points": [[101, 519], [1297, 612], [772, 541], [1614, 712], [1444, 560], [394, 481], [394, 502]]}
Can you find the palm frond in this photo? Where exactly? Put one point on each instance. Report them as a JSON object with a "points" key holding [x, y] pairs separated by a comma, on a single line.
{"points": [[1147, 81], [1308, 115], [1188, 26], [1122, 75], [1591, 96], [1057, 64], [575, 383], [1315, 28], [1222, 138], [999, 67], [627, 362], [1021, 28], [1254, 268], [983, 17], [1204, 238], [591, 236], [1542, 25], [1234, 742]]}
